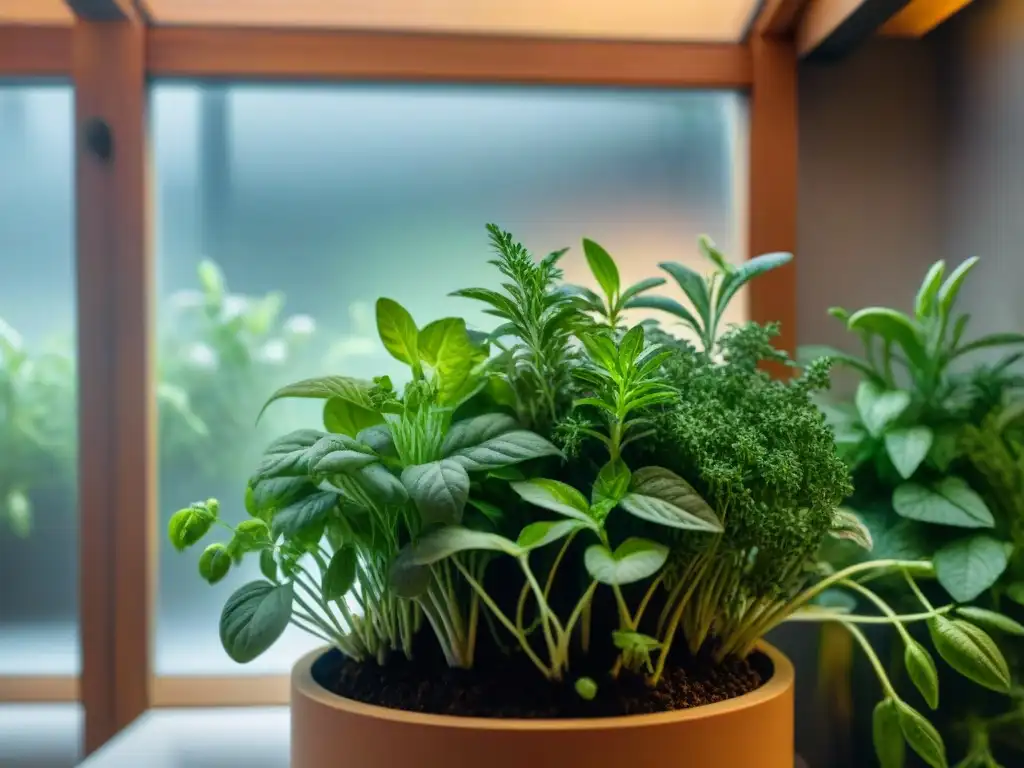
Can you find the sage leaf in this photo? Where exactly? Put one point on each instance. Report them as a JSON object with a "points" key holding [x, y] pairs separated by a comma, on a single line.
{"points": [[661, 496], [633, 560], [894, 327], [968, 566], [340, 574], [887, 735], [970, 651], [398, 331], [254, 617], [378, 438], [746, 271], [921, 668], [342, 462], [479, 429], [303, 513], [603, 268], [508, 448], [991, 620], [537, 535], [880, 407], [921, 735], [693, 285], [450, 540], [288, 456], [438, 489], [556, 497], [950, 501], [378, 481], [214, 563], [907, 448]]}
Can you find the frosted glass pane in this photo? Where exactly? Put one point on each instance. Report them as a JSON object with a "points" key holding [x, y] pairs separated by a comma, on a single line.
{"points": [[38, 516], [40, 735], [334, 195]]}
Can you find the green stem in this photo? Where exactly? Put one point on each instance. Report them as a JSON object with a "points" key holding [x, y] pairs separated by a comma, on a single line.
{"points": [[883, 678], [917, 590], [904, 618]]}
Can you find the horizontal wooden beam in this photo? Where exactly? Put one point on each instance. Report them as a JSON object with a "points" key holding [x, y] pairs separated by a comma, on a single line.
{"points": [[334, 55], [35, 51], [33, 689], [222, 691], [830, 29]]}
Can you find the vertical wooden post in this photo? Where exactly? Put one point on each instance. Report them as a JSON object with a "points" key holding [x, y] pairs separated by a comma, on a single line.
{"points": [[773, 178], [115, 421]]}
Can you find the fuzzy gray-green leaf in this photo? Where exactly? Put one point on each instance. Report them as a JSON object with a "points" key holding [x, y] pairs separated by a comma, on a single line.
{"points": [[254, 617], [438, 489]]}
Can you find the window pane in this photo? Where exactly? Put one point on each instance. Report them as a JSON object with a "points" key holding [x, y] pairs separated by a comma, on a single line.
{"points": [[40, 735], [38, 517], [326, 197]]}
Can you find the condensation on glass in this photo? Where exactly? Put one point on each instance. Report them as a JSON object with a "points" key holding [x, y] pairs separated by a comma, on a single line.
{"points": [[38, 510], [314, 201]]}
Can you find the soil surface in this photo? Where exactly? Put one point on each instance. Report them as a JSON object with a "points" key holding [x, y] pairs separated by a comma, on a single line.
{"points": [[511, 687]]}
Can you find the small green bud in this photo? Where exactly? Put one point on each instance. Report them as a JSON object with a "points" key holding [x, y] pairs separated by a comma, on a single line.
{"points": [[187, 526], [586, 688], [213, 507], [214, 563]]}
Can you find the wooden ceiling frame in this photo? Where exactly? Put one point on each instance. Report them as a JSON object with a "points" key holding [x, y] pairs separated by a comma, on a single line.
{"points": [[109, 53]]}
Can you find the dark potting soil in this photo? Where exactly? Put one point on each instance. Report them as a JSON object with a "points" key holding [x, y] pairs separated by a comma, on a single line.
{"points": [[511, 687]]}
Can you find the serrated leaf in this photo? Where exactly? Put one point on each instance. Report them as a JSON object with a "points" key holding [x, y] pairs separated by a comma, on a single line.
{"points": [[537, 535], [879, 407], [661, 496], [556, 497], [991, 620], [921, 669], [907, 448], [254, 617], [970, 651], [341, 574], [968, 566], [438, 489], [921, 735], [603, 268], [888, 736], [948, 502], [509, 448], [633, 560], [398, 331]]}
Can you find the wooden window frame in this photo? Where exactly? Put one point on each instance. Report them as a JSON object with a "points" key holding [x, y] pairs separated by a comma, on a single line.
{"points": [[109, 53]]}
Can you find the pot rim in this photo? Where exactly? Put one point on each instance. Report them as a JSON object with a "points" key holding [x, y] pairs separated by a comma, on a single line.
{"points": [[781, 681]]}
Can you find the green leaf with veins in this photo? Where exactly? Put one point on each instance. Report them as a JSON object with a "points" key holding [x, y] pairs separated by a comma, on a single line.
{"points": [[661, 496], [340, 574], [987, 619], [970, 651], [398, 332], [353, 391], [474, 431], [907, 448], [612, 483], [345, 417], [921, 735], [894, 327], [950, 501], [603, 268], [438, 489], [921, 669], [633, 560], [556, 497], [537, 535], [887, 735], [303, 513], [508, 448], [288, 456], [924, 304], [747, 271], [878, 407], [254, 617], [968, 566]]}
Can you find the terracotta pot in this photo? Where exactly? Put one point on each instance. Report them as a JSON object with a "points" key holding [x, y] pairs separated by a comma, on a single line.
{"points": [[751, 731]]}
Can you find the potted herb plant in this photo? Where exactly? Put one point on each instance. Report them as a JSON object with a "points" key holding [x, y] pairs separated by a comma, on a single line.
{"points": [[935, 444], [566, 536]]}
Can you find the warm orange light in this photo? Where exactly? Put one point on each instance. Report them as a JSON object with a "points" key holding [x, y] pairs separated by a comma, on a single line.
{"points": [[921, 16], [34, 12]]}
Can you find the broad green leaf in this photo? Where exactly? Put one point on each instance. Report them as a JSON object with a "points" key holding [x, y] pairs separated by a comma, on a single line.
{"points": [[661, 496], [907, 448], [304, 512], [921, 668], [254, 617], [892, 326], [968, 566], [948, 502], [508, 448], [341, 574], [407, 579], [747, 271], [555, 496], [398, 331], [452, 539], [970, 651], [991, 340], [379, 439], [887, 735], [345, 417], [336, 443], [268, 565], [446, 346], [693, 285], [603, 267], [275, 493], [601, 351], [187, 526], [641, 287], [214, 563], [612, 483], [438, 489], [631, 346], [288, 456], [951, 287], [925, 301], [945, 448], [537, 535], [432, 337], [921, 735], [991, 620], [633, 560], [665, 304], [378, 481], [341, 462], [479, 429], [354, 391], [847, 525], [879, 407], [1015, 592]]}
